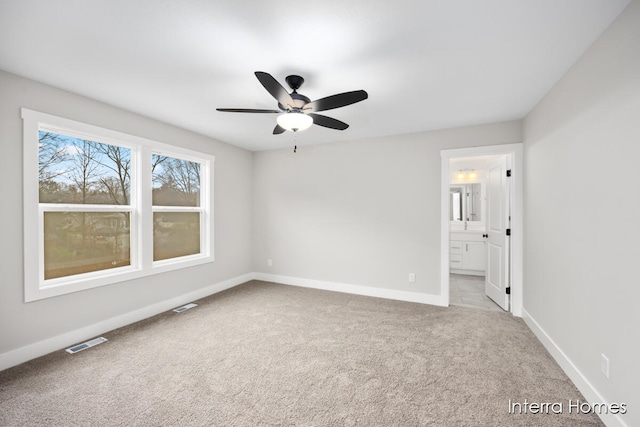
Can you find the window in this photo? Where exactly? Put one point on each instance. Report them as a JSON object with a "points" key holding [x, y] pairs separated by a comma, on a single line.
{"points": [[84, 198], [176, 207], [103, 207]]}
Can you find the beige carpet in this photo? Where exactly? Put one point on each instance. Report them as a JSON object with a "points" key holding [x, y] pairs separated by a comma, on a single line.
{"points": [[263, 354]]}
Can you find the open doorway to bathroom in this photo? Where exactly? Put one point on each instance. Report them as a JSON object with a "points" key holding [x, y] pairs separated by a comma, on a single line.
{"points": [[470, 197], [481, 235]]}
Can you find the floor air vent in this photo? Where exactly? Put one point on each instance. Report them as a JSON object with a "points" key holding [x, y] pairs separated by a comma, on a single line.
{"points": [[85, 345], [184, 307]]}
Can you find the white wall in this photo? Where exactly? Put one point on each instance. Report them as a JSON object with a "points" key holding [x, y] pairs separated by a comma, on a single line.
{"points": [[582, 215], [363, 213], [24, 324]]}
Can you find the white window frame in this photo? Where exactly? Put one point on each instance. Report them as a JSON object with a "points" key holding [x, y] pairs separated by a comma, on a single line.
{"points": [[202, 208], [140, 208]]}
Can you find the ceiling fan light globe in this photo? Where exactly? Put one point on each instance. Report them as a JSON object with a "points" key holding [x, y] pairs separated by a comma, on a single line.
{"points": [[295, 121]]}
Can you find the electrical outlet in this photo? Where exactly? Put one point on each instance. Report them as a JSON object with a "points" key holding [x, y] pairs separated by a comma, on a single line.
{"points": [[604, 365], [269, 263], [412, 277]]}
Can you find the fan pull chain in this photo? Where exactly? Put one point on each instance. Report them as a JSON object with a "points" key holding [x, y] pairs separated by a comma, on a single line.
{"points": [[295, 143]]}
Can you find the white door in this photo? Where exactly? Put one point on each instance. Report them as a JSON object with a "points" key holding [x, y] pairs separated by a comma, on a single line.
{"points": [[497, 272]]}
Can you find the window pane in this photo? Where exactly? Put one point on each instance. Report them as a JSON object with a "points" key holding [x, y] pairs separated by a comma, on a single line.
{"points": [[80, 242], [176, 182], [73, 170], [175, 234]]}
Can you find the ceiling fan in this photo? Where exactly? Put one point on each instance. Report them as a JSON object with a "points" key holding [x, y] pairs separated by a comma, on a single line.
{"points": [[297, 112]]}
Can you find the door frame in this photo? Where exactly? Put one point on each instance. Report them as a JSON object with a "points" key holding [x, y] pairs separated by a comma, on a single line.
{"points": [[514, 153]]}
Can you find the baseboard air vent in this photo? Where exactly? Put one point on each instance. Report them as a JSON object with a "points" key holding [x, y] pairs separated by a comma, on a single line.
{"points": [[85, 345], [184, 307]]}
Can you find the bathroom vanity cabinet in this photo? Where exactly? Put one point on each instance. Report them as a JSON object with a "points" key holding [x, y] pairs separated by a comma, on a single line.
{"points": [[468, 253]]}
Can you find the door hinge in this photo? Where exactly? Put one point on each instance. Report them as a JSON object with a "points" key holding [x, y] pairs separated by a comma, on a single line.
{"points": [[508, 232], [508, 172], [508, 289]]}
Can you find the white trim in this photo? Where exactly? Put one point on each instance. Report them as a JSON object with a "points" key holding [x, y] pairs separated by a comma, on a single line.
{"points": [[352, 289], [40, 348], [445, 231], [578, 378], [515, 151]]}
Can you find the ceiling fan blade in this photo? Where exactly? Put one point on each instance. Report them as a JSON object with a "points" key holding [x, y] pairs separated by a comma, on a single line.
{"points": [[278, 130], [246, 110], [275, 89], [328, 122], [336, 101]]}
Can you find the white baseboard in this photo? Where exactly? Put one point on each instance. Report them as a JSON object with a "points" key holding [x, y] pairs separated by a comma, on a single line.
{"points": [[31, 351], [352, 289], [582, 383]]}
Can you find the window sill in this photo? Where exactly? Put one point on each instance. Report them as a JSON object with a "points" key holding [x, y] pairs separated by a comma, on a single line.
{"points": [[81, 282]]}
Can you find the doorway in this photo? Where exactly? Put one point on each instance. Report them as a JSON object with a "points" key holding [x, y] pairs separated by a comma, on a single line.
{"points": [[485, 228], [469, 291]]}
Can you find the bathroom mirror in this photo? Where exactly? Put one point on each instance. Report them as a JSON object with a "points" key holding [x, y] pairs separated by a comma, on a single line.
{"points": [[465, 202]]}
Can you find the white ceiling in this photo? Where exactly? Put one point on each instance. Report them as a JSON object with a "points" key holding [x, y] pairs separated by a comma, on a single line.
{"points": [[426, 64]]}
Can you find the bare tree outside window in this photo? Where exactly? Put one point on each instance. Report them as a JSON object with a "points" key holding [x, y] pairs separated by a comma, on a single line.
{"points": [[50, 155], [79, 171], [117, 160], [176, 183], [74, 171]]}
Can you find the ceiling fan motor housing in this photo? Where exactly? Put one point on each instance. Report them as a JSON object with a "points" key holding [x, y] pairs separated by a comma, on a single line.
{"points": [[299, 101]]}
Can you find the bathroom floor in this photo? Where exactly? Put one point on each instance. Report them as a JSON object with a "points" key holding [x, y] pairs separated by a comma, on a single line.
{"points": [[468, 291]]}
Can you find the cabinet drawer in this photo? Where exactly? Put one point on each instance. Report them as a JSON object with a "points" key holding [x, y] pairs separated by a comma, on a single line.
{"points": [[455, 264], [456, 258], [456, 247]]}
